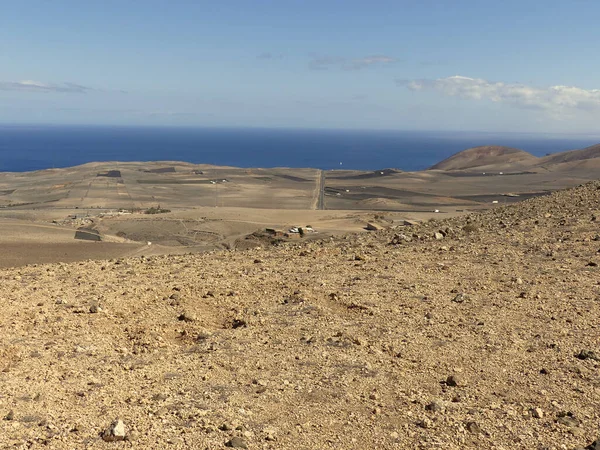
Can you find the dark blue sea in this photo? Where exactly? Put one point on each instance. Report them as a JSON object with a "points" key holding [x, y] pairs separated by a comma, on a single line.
{"points": [[26, 148]]}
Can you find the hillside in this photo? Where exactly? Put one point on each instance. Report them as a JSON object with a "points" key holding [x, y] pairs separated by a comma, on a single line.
{"points": [[474, 332], [489, 155], [591, 152]]}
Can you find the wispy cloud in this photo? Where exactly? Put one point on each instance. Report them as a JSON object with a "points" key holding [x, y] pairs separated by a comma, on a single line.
{"points": [[554, 99], [337, 62], [36, 86]]}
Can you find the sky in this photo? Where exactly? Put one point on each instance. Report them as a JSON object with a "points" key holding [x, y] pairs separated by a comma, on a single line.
{"points": [[460, 65]]}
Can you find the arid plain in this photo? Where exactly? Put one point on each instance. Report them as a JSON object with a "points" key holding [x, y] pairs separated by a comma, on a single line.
{"points": [[221, 207]]}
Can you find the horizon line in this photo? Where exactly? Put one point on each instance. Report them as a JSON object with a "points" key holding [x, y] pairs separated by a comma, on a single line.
{"points": [[291, 128]]}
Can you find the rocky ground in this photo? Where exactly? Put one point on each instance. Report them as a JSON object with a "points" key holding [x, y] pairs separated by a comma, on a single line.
{"points": [[480, 332]]}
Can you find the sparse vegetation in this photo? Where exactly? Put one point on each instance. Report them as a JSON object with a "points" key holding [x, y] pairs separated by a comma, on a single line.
{"points": [[156, 210]]}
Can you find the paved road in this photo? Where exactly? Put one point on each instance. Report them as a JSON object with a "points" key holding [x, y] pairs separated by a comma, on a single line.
{"points": [[321, 200]]}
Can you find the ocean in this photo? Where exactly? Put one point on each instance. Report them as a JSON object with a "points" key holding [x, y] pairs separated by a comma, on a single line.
{"points": [[26, 148]]}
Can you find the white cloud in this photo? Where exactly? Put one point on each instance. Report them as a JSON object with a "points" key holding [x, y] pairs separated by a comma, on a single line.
{"points": [[554, 99], [36, 86], [326, 62]]}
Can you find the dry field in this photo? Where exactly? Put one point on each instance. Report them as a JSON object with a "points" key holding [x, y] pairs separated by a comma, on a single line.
{"points": [[215, 208]]}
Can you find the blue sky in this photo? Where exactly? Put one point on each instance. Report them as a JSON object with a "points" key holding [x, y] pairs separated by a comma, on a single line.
{"points": [[410, 65]]}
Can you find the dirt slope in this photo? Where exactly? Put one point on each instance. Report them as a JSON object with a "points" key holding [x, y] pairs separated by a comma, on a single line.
{"points": [[489, 155], [592, 152], [484, 338]]}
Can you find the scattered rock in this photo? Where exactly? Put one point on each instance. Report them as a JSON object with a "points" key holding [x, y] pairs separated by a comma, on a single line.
{"points": [[115, 432], [399, 239], [460, 298], [435, 406], [186, 317], [594, 445], [425, 423], [10, 415], [238, 323], [236, 442], [455, 381], [537, 413], [373, 227], [567, 419], [587, 354], [473, 427], [438, 236]]}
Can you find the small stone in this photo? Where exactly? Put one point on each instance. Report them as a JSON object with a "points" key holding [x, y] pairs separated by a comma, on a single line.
{"points": [[186, 317], [594, 445], [238, 323], [115, 432], [454, 381], [435, 406], [95, 308], [567, 420], [373, 227], [10, 415], [537, 413], [438, 236], [473, 427], [587, 354], [236, 442], [425, 423], [460, 298], [270, 433], [132, 436], [399, 239]]}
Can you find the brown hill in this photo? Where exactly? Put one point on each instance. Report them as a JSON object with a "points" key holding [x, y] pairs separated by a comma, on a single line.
{"points": [[591, 152], [485, 156], [476, 332]]}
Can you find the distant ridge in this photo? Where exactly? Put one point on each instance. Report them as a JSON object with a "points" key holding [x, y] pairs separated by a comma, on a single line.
{"points": [[487, 155], [572, 155]]}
